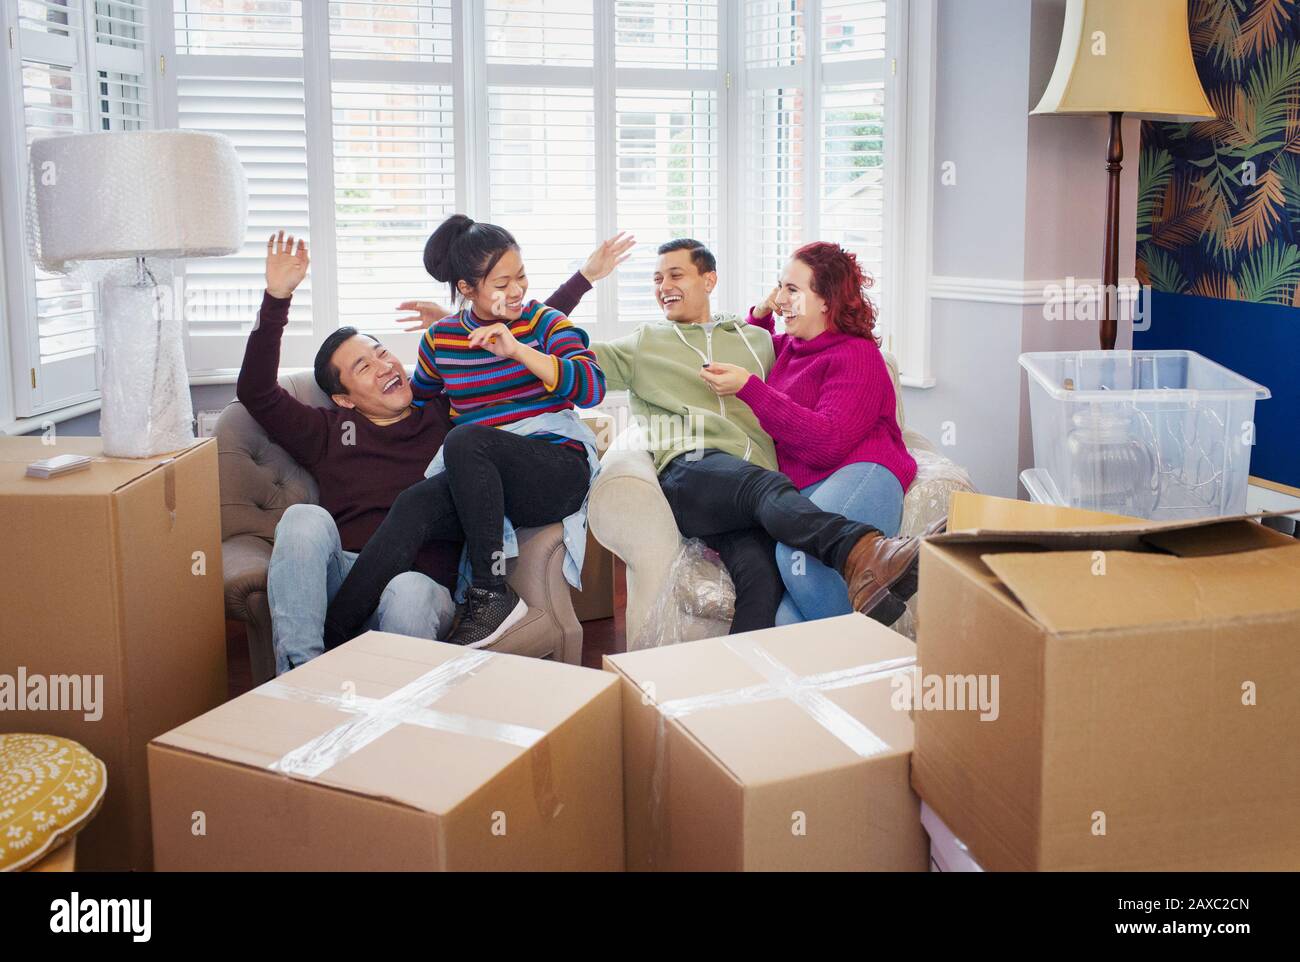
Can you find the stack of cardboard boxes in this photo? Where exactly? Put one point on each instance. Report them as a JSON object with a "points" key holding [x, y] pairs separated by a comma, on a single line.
{"points": [[1086, 693]]}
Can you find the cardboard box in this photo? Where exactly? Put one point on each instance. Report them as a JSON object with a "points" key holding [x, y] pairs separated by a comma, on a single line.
{"points": [[968, 511], [113, 574], [772, 750], [1146, 678], [395, 753]]}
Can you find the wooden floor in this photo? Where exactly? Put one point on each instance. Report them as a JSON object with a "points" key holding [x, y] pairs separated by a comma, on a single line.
{"points": [[607, 636]]}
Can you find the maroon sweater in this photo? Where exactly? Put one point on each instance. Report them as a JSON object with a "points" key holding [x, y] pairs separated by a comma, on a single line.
{"points": [[359, 481]]}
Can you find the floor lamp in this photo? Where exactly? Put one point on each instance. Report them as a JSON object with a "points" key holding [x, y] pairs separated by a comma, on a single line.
{"points": [[1123, 57], [133, 197]]}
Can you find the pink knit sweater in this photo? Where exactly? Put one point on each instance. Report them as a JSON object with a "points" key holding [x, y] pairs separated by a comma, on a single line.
{"points": [[828, 402]]}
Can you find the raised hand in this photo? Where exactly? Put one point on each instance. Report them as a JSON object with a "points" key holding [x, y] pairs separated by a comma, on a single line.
{"points": [[608, 256], [428, 313], [285, 265], [769, 304]]}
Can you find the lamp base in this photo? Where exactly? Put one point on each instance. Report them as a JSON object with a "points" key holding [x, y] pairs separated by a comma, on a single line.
{"points": [[144, 386]]}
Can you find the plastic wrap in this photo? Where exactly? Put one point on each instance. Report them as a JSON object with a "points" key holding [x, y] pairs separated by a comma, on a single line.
{"points": [[937, 477], [372, 718], [143, 381], [697, 588], [96, 203], [157, 193]]}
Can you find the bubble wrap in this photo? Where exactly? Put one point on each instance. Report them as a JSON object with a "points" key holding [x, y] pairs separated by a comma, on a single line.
{"points": [[697, 587], [143, 382], [162, 193], [937, 477], [96, 202]]}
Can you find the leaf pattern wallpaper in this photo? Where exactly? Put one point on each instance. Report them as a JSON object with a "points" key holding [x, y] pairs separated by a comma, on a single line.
{"points": [[1219, 201]]}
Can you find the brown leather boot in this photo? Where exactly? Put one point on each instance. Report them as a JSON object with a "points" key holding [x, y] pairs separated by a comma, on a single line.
{"points": [[874, 565]]}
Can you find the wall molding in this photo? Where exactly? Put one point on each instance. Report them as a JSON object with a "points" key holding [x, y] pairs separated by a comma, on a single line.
{"points": [[1020, 293]]}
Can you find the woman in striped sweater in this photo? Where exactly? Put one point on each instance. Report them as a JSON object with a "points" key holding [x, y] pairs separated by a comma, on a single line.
{"points": [[513, 371]]}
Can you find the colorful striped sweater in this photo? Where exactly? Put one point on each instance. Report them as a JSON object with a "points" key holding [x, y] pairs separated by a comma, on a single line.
{"points": [[490, 390]]}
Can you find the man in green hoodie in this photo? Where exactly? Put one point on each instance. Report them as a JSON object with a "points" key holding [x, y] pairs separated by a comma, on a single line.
{"points": [[717, 466]]}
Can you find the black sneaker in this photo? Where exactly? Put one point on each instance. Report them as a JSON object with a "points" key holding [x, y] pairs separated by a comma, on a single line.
{"points": [[487, 615]]}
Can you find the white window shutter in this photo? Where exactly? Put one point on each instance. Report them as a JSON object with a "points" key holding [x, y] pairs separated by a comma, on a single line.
{"points": [[394, 181], [664, 34], [775, 175], [265, 119], [669, 183], [540, 32], [853, 172], [239, 72], [261, 28], [541, 167]]}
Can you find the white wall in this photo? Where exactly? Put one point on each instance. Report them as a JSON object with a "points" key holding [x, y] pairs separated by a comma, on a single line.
{"points": [[1027, 209]]}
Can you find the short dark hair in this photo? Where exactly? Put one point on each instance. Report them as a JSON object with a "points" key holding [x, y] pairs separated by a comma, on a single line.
{"points": [[701, 256], [327, 372]]}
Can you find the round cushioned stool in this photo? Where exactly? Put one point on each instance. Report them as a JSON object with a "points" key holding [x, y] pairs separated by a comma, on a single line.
{"points": [[50, 788]]}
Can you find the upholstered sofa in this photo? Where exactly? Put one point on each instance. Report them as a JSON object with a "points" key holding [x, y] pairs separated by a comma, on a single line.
{"points": [[629, 515], [259, 480]]}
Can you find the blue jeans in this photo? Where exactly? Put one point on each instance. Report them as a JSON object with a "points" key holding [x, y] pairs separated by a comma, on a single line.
{"points": [[308, 564], [863, 492]]}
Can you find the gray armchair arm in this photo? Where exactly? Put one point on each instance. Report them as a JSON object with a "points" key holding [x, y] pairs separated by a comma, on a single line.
{"points": [[244, 560], [538, 575]]}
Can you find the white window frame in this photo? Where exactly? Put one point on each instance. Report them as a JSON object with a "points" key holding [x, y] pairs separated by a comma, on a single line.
{"points": [[907, 72], [25, 396], [909, 89]]}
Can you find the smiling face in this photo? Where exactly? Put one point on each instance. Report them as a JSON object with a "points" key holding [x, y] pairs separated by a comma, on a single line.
{"points": [[802, 308], [373, 377], [500, 296], [681, 290]]}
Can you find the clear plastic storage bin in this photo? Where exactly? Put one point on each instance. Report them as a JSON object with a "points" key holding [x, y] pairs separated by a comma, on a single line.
{"points": [[1153, 434]]}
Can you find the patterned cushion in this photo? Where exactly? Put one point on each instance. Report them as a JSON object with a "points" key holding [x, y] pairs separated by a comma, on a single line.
{"points": [[49, 788]]}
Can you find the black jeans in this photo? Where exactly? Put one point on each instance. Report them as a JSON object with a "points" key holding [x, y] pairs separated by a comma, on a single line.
{"points": [[491, 475], [741, 511]]}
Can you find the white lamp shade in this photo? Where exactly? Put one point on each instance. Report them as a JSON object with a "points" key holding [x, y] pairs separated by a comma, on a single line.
{"points": [[169, 193], [1127, 56]]}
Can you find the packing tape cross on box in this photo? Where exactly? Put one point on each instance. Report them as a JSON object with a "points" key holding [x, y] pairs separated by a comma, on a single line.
{"points": [[806, 691], [409, 705]]}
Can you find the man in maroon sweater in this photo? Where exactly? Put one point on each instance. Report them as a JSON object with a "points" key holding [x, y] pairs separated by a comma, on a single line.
{"points": [[363, 453]]}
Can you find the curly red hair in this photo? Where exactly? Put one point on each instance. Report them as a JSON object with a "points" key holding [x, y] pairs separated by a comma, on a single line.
{"points": [[840, 281]]}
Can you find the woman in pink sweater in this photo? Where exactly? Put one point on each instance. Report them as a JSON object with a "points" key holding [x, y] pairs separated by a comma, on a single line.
{"points": [[829, 405]]}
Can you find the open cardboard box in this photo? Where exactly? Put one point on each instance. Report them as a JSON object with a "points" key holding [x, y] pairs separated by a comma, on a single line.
{"points": [[1147, 678]]}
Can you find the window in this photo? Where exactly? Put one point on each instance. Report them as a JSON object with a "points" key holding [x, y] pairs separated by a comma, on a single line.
{"points": [[540, 32], [78, 66], [852, 171], [348, 143], [542, 164], [658, 34], [752, 125], [394, 176], [816, 132], [853, 30]]}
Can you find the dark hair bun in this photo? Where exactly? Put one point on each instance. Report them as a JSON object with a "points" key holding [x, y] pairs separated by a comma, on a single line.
{"points": [[438, 250]]}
